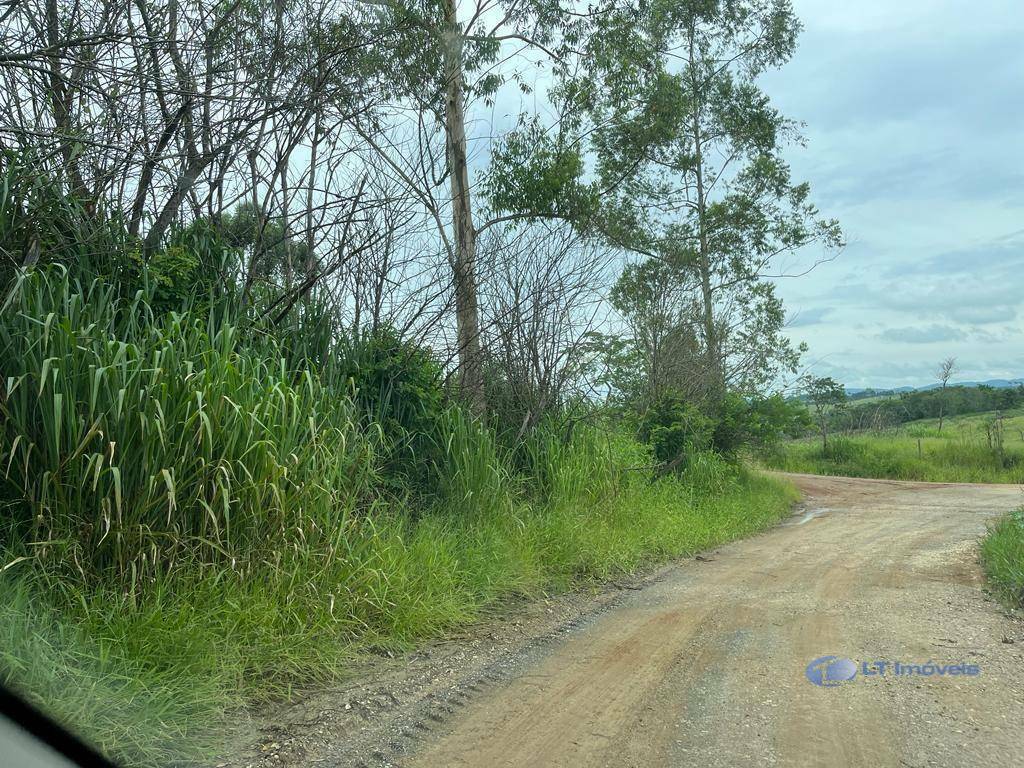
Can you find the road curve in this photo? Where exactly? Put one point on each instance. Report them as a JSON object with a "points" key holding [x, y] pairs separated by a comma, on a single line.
{"points": [[707, 665]]}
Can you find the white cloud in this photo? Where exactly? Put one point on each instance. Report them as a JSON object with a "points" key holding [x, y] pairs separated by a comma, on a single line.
{"points": [[917, 146]]}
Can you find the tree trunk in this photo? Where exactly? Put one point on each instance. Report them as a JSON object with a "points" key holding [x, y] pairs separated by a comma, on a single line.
{"points": [[289, 267], [942, 405], [309, 266], [170, 210], [467, 310], [715, 372], [61, 96], [716, 375]]}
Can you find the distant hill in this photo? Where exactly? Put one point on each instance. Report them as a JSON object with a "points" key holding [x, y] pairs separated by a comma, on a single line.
{"points": [[859, 393]]}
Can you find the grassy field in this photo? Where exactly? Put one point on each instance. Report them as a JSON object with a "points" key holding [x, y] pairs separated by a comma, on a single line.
{"points": [[971, 427], [974, 448]]}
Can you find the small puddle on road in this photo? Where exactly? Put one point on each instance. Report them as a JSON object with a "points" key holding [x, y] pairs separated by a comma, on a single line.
{"points": [[809, 515]]}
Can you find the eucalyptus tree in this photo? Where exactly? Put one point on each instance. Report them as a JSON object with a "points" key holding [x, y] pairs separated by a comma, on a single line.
{"points": [[827, 397], [656, 350], [687, 151], [439, 55]]}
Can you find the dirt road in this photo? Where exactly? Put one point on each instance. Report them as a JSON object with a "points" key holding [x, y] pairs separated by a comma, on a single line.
{"points": [[706, 665]]}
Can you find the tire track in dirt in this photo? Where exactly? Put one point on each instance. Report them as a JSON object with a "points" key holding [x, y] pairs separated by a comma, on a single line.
{"points": [[703, 663], [707, 666]]}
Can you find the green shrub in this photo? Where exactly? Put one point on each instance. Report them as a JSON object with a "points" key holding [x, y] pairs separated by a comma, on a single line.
{"points": [[397, 386], [193, 273], [509, 413], [732, 424], [775, 417], [675, 430]]}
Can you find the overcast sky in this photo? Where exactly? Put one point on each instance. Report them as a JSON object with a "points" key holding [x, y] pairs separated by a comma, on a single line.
{"points": [[915, 143]]}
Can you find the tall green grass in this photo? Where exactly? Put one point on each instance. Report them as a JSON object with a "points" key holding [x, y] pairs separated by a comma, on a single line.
{"points": [[1002, 555], [194, 520], [131, 443], [129, 707], [953, 459], [190, 648]]}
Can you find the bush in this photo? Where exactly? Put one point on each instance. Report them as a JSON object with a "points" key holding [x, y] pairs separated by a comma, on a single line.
{"points": [[193, 273], [773, 418], [508, 411], [397, 383], [759, 421], [397, 386], [732, 424], [675, 429]]}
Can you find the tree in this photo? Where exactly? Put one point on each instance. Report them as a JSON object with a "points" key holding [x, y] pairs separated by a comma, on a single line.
{"points": [[689, 148], [826, 397], [442, 52], [657, 349], [675, 430], [543, 290], [152, 114], [946, 370]]}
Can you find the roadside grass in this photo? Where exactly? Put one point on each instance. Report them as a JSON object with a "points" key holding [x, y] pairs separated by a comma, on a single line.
{"points": [[194, 517], [958, 456], [125, 704], [1002, 555], [150, 679]]}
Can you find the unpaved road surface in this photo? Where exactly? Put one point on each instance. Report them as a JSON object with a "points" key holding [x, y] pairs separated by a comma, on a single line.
{"points": [[705, 664]]}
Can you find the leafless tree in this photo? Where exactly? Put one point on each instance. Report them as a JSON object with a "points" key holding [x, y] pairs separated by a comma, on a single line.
{"points": [[162, 111], [542, 294], [946, 370]]}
